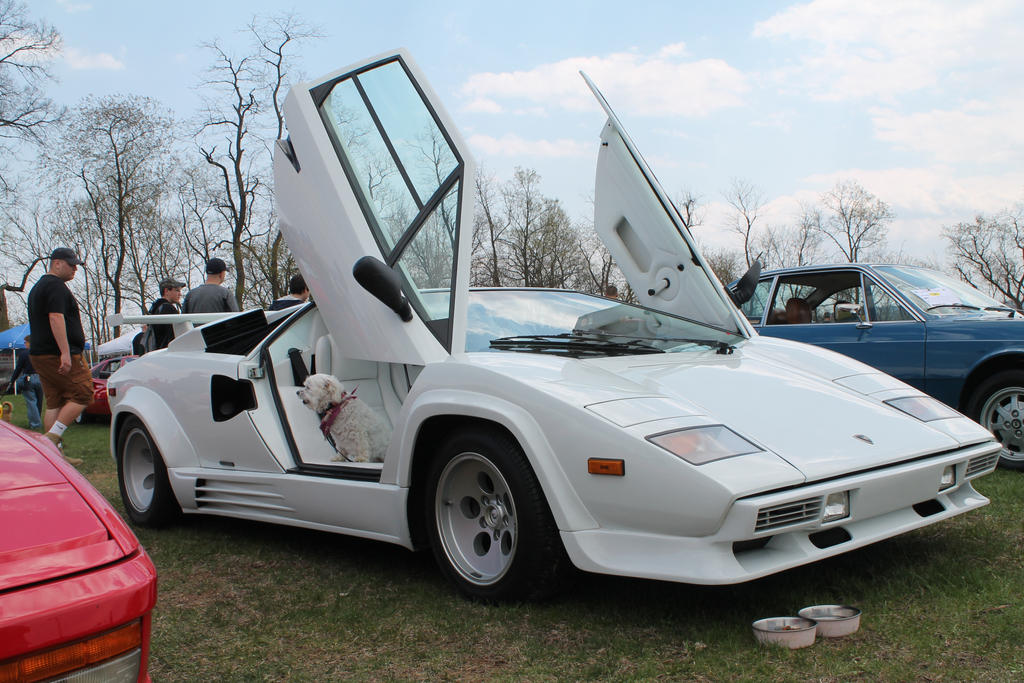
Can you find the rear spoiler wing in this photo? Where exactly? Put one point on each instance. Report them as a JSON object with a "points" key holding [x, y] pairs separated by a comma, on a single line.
{"points": [[182, 322], [238, 335]]}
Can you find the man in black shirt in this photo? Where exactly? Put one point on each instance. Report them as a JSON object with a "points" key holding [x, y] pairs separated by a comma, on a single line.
{"points": [[167, 304], [58, 341]]}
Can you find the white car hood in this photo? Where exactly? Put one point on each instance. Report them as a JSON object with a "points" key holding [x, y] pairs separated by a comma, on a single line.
{"points": [[803, 416]]}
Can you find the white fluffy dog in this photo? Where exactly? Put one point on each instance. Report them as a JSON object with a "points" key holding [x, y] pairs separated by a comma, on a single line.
{"points": [[358, 433]]}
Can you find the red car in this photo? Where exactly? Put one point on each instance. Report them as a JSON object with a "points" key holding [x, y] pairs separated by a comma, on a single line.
{"points": [[76, 587], [101, 372]]}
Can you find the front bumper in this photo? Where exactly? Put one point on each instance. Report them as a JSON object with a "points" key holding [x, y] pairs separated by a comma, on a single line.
{"points": [[883, 503]]}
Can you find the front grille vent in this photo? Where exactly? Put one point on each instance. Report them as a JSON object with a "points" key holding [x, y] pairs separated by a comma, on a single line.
{"points": [[788, 514], [983, 463]]}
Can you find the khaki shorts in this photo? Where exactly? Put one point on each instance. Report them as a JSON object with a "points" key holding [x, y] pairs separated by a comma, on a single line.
{"points": [[74, 387]]}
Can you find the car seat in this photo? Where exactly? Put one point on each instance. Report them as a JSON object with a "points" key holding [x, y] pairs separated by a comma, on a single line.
{"points": [[798, 311]]}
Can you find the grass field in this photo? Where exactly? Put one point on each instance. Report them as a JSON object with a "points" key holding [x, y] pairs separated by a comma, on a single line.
{"points": [[241, 601]]}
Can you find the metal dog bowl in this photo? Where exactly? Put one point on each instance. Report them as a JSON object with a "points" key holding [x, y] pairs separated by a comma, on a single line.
{"points": [[833, 620], [791, 632]]}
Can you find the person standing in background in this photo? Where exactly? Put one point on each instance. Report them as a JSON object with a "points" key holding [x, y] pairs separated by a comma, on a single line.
{"points": [[167, 304], [26, 381], [212, 296], [298, 293], [58, 342]]}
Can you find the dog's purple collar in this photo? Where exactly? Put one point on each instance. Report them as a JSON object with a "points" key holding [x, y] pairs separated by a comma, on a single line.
{"points": [[328, 418]]}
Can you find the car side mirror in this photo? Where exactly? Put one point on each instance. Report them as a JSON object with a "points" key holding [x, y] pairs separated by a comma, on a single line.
{"points": [[382, 282], [853, 310]]}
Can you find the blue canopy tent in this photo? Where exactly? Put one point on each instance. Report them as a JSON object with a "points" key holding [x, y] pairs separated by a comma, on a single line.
{"points": [[14, 338]]}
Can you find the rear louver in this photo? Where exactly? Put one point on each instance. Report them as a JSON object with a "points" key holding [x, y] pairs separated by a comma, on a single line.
{"points": [[983, 463], [787, 514]]}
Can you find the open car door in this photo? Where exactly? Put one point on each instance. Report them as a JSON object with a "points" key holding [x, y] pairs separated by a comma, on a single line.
{"points": [[641, 228], [374, 167]]}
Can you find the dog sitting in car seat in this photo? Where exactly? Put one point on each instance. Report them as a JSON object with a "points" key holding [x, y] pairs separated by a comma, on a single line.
{"points": [[353, 428]]}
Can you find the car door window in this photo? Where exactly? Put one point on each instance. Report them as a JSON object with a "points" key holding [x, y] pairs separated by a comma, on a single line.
{"points": [[882, 307], [408, 179], [815, 298], [754, 307]]}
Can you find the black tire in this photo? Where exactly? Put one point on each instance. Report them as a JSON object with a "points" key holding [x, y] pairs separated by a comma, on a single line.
{"points": [[489, 525], [142, 477], [998, 405]]}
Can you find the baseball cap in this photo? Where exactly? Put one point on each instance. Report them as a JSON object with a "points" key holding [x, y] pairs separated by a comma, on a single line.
{"points": [[216, 265], [66, 254], [170, 283]]}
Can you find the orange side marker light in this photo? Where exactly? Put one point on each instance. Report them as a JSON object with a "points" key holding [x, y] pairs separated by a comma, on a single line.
{"points": [[616, 468]]}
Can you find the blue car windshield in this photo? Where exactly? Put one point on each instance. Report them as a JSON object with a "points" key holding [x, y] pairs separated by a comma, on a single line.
{"points": [[539, 320], [940, 294]]}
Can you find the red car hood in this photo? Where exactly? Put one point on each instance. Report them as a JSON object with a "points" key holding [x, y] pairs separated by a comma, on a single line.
{"points": [[52, 521]]}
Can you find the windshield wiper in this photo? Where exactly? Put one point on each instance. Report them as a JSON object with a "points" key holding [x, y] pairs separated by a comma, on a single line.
{"points": [[1007, 309], [720, 347], [573, 344], [968, 306]]}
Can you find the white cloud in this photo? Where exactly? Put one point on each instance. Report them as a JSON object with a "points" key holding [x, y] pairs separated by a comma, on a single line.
{"points": [[510, 145], [931, 191], [986, 132], [484, 105], [654, 85], [79, 60], [74, 7], [884, 48]]}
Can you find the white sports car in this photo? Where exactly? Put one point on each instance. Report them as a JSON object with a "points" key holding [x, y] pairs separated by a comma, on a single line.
{"points": [[530, 430]]}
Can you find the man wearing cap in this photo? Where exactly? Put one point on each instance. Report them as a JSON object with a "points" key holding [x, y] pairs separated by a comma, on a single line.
{"points": [[58, 341], [211, 297], [167, 304]]}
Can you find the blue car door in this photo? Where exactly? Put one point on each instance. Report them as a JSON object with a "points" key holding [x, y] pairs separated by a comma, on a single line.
{"points": [[809, 307]]}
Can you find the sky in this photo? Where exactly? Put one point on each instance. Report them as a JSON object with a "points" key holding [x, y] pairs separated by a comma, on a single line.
{"points": [[919, 101]]}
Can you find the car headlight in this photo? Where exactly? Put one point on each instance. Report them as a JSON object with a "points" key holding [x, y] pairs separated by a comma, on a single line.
{"points": [[924, 408], [700, 445]]}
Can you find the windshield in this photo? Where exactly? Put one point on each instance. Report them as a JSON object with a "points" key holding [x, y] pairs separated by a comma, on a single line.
{"points": [[939, 294], [605, 326]]}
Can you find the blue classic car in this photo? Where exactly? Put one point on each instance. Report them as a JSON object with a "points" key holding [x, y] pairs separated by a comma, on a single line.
{"points": [[921, 326]]}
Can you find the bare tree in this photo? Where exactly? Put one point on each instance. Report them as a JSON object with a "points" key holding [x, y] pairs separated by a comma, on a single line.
{"points": [[726, 263], [691, 211], [490, 223], [990, 250], [784, 247], [539, 244], [116, 150], [600, 272], [234, 135], [525, 239], [746, 201], [26, 48], [853, 219], [26, 244]]}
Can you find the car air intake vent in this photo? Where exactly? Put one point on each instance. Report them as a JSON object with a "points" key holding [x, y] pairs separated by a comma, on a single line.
{"points": [[788, 514], [237, 335], [213, 494], [983, 463]]}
